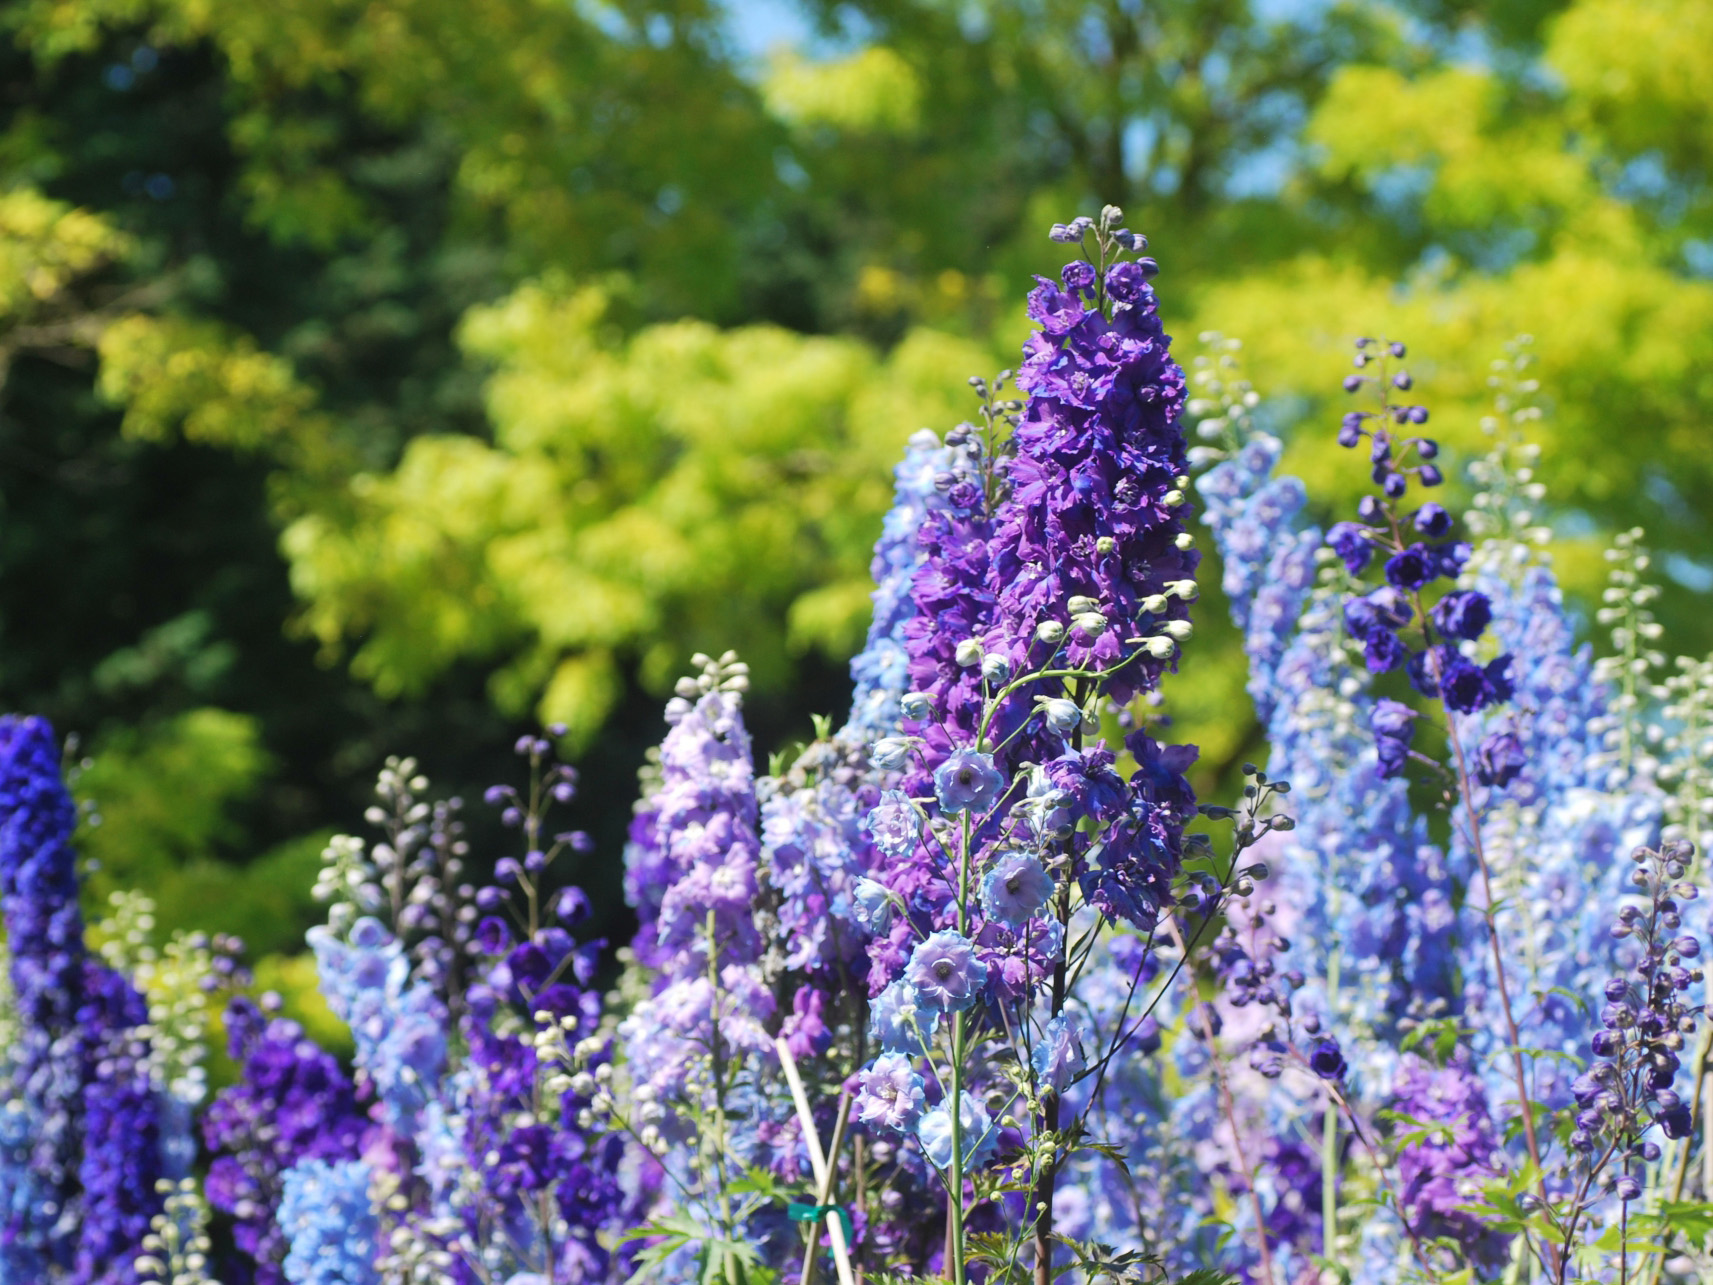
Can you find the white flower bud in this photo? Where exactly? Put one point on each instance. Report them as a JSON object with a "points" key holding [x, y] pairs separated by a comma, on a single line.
{"points": [[1172, 499], [968, 654], [1050, 632], [1063, 716], [1080, 605], [916, 704], [1185, 589], [890, 754], [1160, 648], [1185, 540], [1180, 630], [1091, 623], [1155, 604], [995, 668], [1105, 546]]}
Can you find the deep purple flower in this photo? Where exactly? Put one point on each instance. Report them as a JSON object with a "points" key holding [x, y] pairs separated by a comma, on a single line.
{"points": [[1349, 540], [968, 782], [1433, 521], [1078, 274], [1459, 1151], [946, 972], [1126, 282], [1383, 609], [1412, 567], [1055, 311], [1382, 651], [890, 1093], [1462, 614], [493, 935], [1327, 1059], [1499, 759]]}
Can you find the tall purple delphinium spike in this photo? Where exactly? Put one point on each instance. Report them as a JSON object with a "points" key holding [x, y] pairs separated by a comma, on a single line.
{"points": [[121, 1160], [703, 1032], [44, 930], [291, 1103], [85, 1170]]}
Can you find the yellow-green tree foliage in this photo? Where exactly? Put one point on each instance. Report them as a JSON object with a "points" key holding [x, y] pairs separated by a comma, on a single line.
{"points": [[645, 495], [1567, 212]]}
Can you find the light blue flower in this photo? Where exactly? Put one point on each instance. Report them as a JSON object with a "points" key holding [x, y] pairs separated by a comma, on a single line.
{"points": [[1015, 888], [980, 1135], [899, 1020], [946, 973], [334, 1233], [1058, 1056], [967, 782]]}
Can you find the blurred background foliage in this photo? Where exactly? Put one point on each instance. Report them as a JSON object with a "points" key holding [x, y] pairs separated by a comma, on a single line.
{"points": [[381, 375]]}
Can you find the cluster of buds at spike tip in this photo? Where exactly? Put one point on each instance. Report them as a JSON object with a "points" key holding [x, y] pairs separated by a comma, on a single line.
{"points": [[1396, 456]]}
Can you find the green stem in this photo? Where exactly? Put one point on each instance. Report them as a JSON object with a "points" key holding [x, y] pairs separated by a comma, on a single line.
{"points": [[1329, 1139]]}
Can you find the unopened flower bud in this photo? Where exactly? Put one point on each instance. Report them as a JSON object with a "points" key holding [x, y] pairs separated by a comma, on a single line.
{"points": [[890, 754], [1080, 605], [1185, 589], [916, 704], [1179, 630], [1091, 623], [968, 654], [995, 668], [1185, 540], [1172, 499], [1160, 648], [1063, 716], [1050, 632], [1155, 604], [1105, 545]]}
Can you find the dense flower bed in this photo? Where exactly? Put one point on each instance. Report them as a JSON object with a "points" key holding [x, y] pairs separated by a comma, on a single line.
{"points": [[974, 988]]}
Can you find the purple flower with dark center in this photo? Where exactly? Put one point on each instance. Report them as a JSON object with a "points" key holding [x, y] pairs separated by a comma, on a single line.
{"points": [[890, 1093], [980, 1138], [1058, 1056], [1016, 888], [493, 935], [1382, 651], [1327, 1059], [1433, 521], [1463, 614], [1393, 724], [1384, 608], [1468, 687], [1349, 540], [967, 782], [894, 824], [1411, 568], [1499, 759], [946, 972]]}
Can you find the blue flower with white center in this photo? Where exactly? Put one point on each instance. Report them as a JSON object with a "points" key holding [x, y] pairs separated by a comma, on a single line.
{"points": [[899, 1019]]}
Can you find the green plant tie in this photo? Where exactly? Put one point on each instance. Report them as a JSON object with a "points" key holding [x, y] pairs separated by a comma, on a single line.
{"points": [[802, 1212]]}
